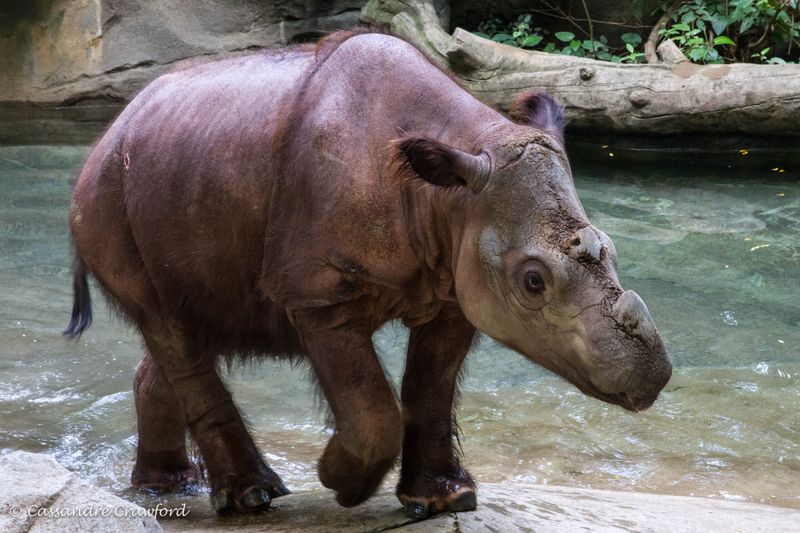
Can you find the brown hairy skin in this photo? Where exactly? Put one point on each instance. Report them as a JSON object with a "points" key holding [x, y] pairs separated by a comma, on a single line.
{"points": [[162, 462], [289, 203]]}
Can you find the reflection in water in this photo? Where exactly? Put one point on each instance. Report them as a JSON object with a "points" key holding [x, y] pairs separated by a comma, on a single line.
{"points": [[716, 258]]}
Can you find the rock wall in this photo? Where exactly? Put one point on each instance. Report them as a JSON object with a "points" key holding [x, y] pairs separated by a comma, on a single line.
{"points": [[67, 51]]}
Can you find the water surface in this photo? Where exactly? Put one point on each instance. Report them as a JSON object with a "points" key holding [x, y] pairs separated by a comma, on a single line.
{"points": [[716, 256]]}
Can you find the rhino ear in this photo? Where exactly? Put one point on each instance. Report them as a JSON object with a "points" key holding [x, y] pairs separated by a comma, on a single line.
{"points": [[538, 110], [443, 165]]}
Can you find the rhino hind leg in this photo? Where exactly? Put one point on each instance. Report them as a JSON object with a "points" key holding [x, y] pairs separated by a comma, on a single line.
{"points": [[162, 463], [432, 479], [241, 482]]}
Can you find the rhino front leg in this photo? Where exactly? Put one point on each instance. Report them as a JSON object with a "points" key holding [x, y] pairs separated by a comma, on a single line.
{"points": [[432, 479], [368, 429]]}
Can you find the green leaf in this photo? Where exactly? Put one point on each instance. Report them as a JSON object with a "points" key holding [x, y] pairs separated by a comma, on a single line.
{"points": [[565, 36], [722, 39], [551, 47], [719, 22], [481, 34], [531, 40], [629, 47], [575, 45], [743, 8], [776, 61], [697, 54], [631, 38], [681, 27], [501, 37]]}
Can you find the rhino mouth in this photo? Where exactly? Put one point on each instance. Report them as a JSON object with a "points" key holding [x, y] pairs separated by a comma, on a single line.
{"points": [[568, 371], [623, 399]]}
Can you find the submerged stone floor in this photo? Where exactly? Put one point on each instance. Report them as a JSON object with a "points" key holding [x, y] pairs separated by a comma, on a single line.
{"points": [[37, 481]]}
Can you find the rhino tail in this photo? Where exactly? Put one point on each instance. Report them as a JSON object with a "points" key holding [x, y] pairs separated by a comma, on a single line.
{"points": [[82, 302]]}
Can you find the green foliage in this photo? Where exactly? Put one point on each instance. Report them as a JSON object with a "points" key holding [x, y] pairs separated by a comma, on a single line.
{"points": [[522, 34], [706, 31], [719, 31]]}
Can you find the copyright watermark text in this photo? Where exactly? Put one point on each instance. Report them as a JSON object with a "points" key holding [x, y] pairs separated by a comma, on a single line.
{"points": [[93, 510]]}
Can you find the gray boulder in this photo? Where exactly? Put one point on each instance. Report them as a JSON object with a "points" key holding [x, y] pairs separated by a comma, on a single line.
{"points": [[39, 495]]}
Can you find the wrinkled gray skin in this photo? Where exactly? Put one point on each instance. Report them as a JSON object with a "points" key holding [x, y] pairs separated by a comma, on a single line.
{"points": [[582, 326]]}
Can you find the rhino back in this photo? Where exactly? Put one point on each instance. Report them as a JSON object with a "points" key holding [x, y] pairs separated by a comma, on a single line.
{"points": [[193, 154]]}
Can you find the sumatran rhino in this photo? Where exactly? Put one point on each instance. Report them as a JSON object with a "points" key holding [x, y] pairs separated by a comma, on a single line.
{"points": [[288, 203]]}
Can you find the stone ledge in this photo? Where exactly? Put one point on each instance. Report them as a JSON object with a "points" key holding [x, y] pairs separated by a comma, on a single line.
{"points": [[503, 508], [37, 481]]}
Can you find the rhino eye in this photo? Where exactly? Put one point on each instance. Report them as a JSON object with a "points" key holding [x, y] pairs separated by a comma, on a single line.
{"points": [[534, 282]]}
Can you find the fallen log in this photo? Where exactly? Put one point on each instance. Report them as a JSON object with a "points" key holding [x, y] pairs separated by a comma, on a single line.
{"points": [[598, 95]]}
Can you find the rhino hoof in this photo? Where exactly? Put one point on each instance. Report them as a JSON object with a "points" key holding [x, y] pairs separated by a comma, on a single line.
{"points": [[222, 501], [256, 498], [279, 490], [466, 501], [417, 510]]}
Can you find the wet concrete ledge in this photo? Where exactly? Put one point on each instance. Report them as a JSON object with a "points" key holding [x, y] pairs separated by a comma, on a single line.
{"points": [[37, 481], [505, 508]]}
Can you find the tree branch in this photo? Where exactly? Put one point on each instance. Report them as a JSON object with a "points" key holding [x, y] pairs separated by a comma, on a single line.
{"points": [[652, 40], [591, 29]]}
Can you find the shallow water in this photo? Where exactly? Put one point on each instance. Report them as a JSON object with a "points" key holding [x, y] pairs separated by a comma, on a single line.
{"points": [[716, 257]]}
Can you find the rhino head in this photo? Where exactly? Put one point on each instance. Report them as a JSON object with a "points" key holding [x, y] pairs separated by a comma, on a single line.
{"points": [[531, 271]]}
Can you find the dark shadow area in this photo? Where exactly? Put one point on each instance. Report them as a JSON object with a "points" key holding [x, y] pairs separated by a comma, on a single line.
{"points": [[24, 124], [695, 154]]}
